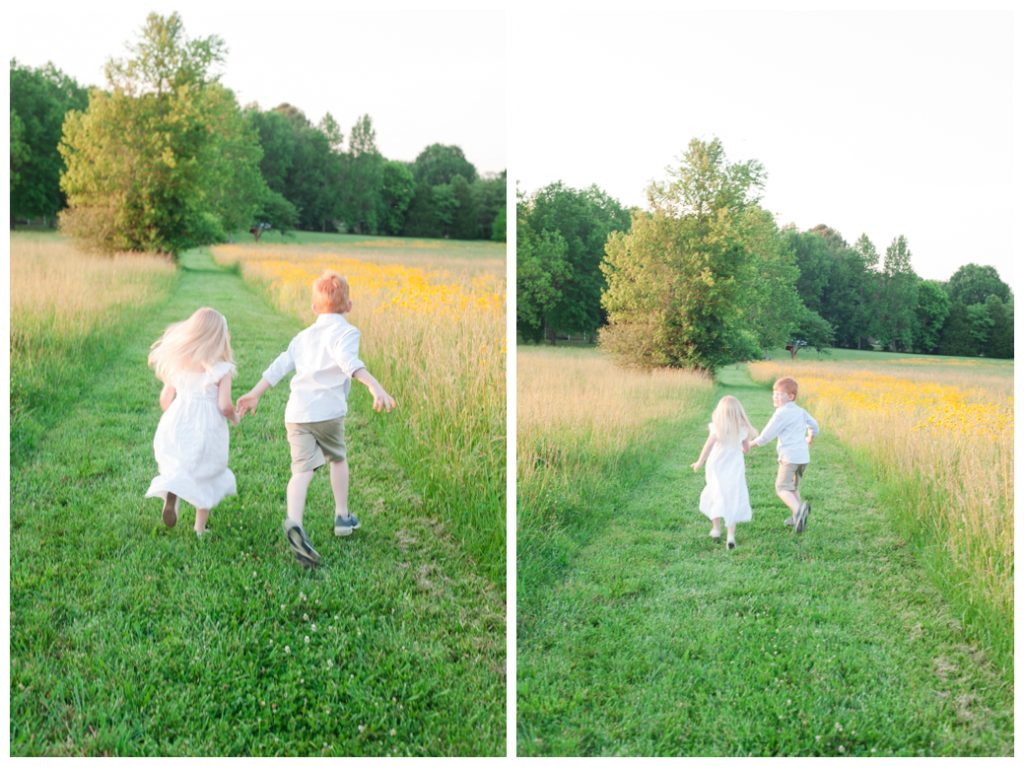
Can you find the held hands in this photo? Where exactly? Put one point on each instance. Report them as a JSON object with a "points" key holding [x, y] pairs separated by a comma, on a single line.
{"points": [[696, 466], [247, 404]]}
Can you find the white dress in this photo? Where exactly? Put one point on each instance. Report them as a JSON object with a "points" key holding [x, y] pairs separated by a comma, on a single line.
{"points": [[725, 494], [191, 442]]}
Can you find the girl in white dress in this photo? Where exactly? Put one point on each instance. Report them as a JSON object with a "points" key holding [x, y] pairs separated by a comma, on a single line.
{"points": [[725, 496], [194, 360]]}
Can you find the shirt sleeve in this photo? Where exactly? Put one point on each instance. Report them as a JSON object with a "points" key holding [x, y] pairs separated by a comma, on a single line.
{"points": [[279, 368], [346, 352], [770, 430], [811, 422]]}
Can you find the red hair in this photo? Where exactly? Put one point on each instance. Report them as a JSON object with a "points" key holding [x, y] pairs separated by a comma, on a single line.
{"points": [[330, 293]]}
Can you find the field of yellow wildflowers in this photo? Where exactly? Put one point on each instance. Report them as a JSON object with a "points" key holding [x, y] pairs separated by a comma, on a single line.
{"points": [[941, 432], [432, 318]]}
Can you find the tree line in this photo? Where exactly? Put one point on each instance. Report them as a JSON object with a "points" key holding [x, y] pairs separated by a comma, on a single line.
{"points": [[705, 277], [164, 158]]}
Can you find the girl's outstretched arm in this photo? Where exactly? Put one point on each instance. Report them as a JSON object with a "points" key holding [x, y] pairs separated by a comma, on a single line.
{"points": [[166, 397], [704, 453], [224, 400]]}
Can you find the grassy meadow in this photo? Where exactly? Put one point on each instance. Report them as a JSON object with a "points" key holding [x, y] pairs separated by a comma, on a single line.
{"points": [[640, 636], [69, 313], [432, 318], [131, 639], [937, 432]]}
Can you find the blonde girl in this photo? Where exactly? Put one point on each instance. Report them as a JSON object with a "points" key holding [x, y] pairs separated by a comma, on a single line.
{"points": [[725, 496], [195, 362]]}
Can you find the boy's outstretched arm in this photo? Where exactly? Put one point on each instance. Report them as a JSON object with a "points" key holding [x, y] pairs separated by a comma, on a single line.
{"points": [[251, 399], [381, 399]]}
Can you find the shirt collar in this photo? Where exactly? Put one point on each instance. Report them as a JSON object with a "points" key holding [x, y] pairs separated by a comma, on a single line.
{"points": [[328, 319]]}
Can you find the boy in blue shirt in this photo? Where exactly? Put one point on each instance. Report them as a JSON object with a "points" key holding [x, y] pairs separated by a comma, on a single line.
{"points": [[795, 429]]}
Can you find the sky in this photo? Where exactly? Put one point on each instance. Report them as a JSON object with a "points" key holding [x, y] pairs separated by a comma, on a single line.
{"points": [[424, 75], [875, 122]]}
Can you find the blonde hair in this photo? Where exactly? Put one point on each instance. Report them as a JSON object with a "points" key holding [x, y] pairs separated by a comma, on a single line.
{"points": [[787, 385], [729, 420], [330, 293], [202, 339]]}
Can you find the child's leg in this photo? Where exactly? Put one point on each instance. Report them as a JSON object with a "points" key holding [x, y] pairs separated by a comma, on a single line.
{"points": [[201, 516], [297, 487], [339, 484], [731, 538], [791, 498]]}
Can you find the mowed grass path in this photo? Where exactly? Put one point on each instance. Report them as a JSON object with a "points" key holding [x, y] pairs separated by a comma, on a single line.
{"points": [[129, 638], [661, 642]]}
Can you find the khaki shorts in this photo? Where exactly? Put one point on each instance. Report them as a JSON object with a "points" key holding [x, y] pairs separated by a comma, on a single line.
{"points": [[789, 476], [315, 443]]}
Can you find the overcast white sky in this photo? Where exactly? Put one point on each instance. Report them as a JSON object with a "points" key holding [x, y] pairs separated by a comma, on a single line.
{"points": [[877, 122], [424, 75]]}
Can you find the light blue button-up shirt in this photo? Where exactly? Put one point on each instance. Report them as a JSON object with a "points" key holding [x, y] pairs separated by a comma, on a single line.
{"points": [[324, 357], [789, 423]]}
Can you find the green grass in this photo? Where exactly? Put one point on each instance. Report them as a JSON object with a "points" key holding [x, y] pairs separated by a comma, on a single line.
{"points": [[656, 641], [128, 638]]}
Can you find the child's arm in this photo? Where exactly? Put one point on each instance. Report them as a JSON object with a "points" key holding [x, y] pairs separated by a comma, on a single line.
{"points": [[224, 400], [248, 401], [279, 368], [704, 453], [381, 399], [166, 397], [746, 445], [812, 428]]}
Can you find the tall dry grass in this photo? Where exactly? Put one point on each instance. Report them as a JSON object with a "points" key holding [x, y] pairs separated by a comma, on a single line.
{"points": [[68, 308], [586, 431], [941, 432], [434, 335]]}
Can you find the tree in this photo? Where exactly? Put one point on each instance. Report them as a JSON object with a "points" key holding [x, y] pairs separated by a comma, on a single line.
{"points": [[464, 224], [396, 192], [439, 164], [40, 99], [363, 177], [583, 218], [814, 259], [973, 284], [898, 299], [932, 311], [1000, 340], [541, 271], [162, 162], [682, 281], [489, 200]]}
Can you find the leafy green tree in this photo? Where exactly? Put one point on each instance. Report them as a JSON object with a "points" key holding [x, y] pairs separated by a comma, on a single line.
{"points": [[396, 192], [897, 310], [499, 225], [277, 138], [542, 268], [973, 284], [162, 162], [932, 311], [313, 182], [39, 101], [489, 199], [464, 224], [957, 339], [681, 283], [583, 218], [814, 259], [439, 164], [363, 178], [421, 220], [1000, 339]]}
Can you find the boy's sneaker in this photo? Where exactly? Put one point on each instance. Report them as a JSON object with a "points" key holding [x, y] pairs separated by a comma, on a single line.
{"points": [[345, 525], [790, 521], [171, 509], [730, 544], [801, 516], [299, 541]]}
